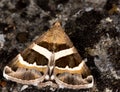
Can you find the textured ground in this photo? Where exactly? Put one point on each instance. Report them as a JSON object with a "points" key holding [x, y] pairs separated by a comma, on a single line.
{"points": [[92, 25]]}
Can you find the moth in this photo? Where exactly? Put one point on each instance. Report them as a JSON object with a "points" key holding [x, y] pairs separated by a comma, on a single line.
{"points": [[51, 60]]}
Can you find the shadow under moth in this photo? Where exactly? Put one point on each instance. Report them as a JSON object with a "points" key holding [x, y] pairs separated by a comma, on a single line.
{"points": [[51, 60]]}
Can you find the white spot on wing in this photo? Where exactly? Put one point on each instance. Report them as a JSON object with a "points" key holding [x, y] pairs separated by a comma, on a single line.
{"points": [[24, 87], [52, 77], [47, 77]]}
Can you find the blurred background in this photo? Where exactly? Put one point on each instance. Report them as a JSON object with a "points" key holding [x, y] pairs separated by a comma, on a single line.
{"points": [[92, 25]]}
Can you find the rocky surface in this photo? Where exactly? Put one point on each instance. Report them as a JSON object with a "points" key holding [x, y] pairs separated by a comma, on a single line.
{"points": [[92, 25]]}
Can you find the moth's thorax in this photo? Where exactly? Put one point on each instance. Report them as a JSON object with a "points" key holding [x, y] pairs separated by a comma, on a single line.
{"points": [[51, 64], [52, 60]]}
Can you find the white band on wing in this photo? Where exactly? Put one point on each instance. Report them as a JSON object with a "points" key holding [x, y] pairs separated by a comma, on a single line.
{"points": [[20, 58], [64, 53], [43, 51]]}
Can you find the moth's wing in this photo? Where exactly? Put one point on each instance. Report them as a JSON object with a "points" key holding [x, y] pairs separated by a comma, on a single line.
{"points": [[69, 74], [77, 77], [70, 71], [29, 67], [50, 84]]}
